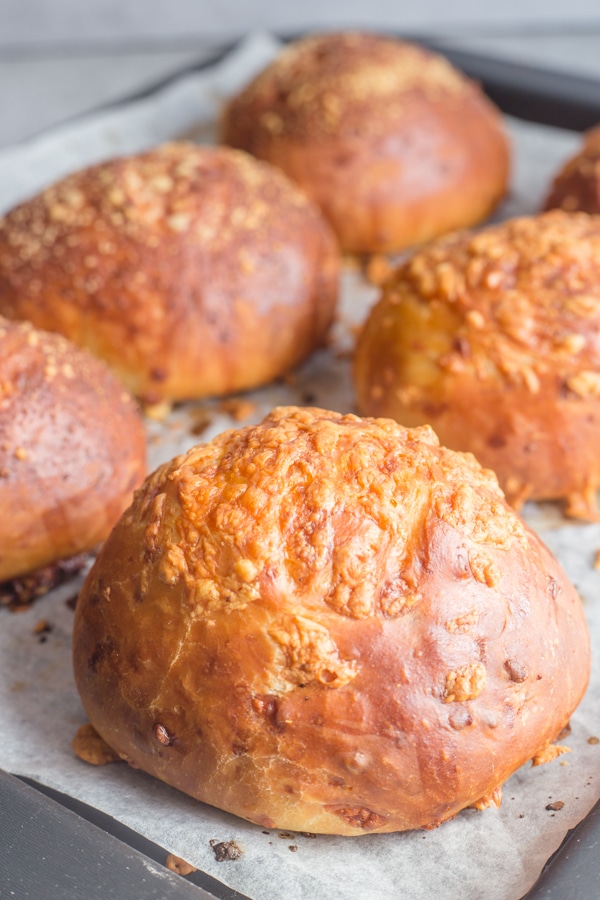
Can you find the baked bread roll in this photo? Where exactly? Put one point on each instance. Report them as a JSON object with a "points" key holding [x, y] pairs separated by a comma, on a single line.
{"points": [[191, 270], [394, 144], [576, 185], [492, 339], [72, 449], [329, 624]]}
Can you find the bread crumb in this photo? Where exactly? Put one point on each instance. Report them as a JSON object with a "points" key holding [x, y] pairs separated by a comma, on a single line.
{"points": [[225, 851], [465, 683], [492, 800], [548, 753], [178, 865], [200, 422], [91, 748], [18, 593], [584, 384], [597, 559], [158, 411], [378, 269], [238, 409], [21, 453], [593, 740], [558, 804]]}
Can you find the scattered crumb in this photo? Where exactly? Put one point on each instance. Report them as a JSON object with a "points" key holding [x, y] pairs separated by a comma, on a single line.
{"points": [[266, 832], [308, 397], [556, 805], [286, 835], [293, 848], [91, 748], [42, 627], [71, 602], [378, 269], [352, 261], [21, 453], [19, 593], [308, 834], [237, 408], [178, 865], [226, 850], [200, 422], [593, 740], [548, 753], [157, 410], [596, 562]]}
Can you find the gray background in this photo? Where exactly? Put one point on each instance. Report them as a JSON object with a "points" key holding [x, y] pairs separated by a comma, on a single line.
{"points": [[59, 58]]}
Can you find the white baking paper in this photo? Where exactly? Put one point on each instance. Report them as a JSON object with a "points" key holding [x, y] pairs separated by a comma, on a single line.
{"points": [[496, 854]]}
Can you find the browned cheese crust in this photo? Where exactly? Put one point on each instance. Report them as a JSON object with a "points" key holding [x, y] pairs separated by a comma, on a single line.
{"points": [[494, 340], [577, 184], [191, 270], [328, 624], [394, 144], [72, 449]]}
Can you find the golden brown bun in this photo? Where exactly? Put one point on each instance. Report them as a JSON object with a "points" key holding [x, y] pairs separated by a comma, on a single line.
{"points": [[492, 339], [394, 144], [577, 184], [328, 624], [72, 449], [191, 270]]}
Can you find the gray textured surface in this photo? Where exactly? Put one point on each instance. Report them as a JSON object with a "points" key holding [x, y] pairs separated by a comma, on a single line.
{"points": [[39, 89], [121, 21]]}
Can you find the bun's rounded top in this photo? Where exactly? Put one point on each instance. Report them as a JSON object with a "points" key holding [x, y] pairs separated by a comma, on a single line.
{"points": [[345, 83], [524, 295], [333, 504], [173, 189]]}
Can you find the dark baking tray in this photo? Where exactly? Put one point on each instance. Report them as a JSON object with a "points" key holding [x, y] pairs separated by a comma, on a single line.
{"points": [[53, 846]]}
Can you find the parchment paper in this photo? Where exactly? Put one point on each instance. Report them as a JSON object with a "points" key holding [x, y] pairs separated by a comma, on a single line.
{"points": [[491, 854]]}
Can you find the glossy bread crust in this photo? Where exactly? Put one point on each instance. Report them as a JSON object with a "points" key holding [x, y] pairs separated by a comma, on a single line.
{"points": [[393, 143], [493, 340], [328, 624], [72, 449], [191, 270]]}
